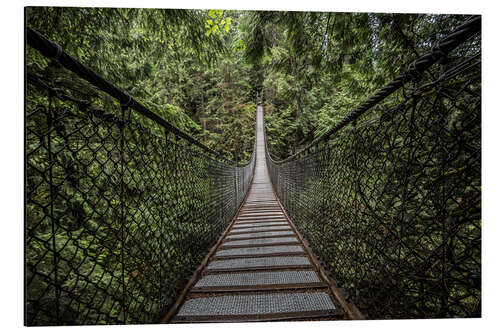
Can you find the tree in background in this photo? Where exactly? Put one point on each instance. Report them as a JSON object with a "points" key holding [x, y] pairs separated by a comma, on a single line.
{"points": [[319, 66], [183, 64]]}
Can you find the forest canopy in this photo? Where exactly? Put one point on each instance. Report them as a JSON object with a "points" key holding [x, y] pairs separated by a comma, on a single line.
{"points": [[202, 70]]}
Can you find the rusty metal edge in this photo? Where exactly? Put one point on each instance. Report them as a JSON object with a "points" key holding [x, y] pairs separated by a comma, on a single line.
{"points": [[262, 217], [255, 318], [243, 238], [309, 268], [262, 255], [266, 219], [228, 247], [259, 214], [271, 229], [197, 273], [259, 237], [266, 209], [238, 223], [274, 224], [272, 202], [256, 269], [261, 287]]}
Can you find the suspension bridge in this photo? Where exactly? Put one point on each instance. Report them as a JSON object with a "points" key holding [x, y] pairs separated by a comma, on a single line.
{"points": [[264, 259], [130, 220]]}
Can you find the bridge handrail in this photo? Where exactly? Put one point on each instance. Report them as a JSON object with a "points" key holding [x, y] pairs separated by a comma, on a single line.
{"points": [[438, 52], [54, 51], [392, 204], [120, 210]]}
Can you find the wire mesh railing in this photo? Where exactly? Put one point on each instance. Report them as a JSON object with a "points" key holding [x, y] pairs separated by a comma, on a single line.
{"points": [[121, 207], [390, 199]]}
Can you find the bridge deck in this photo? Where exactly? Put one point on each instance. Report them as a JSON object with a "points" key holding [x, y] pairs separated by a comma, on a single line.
{"points": [[261, 269]]}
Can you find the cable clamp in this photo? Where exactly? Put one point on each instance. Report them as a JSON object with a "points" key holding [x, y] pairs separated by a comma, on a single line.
{"points": [[413, 72], [59, 52], [437, 53], [126, 105]]}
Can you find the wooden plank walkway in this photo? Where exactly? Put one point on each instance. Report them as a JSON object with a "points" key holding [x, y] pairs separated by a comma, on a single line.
{"points": [[261, 269]]}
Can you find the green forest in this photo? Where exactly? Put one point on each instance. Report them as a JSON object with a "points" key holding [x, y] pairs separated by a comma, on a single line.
{"points": [[203, 70], [121, 208]]}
